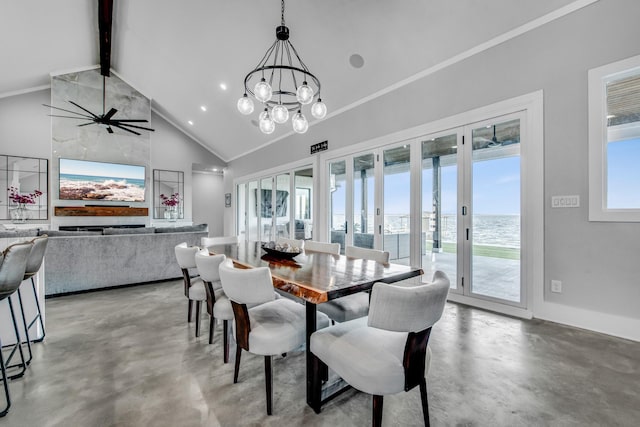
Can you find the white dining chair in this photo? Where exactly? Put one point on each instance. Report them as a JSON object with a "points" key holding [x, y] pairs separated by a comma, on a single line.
{"points": [[356, 305], [386, 352], [206, 242], [194, 288], [218, 305], [275, 326], [327, 248]]}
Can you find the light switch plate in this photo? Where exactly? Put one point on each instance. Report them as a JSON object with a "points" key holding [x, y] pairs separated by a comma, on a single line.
{"points": [[565, 201]]}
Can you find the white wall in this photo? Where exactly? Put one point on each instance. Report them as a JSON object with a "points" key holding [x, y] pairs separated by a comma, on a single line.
{"points": [[208, 201], [597, 262], [25, 130]]}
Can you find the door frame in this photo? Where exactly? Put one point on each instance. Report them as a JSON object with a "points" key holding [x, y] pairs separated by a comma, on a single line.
{"points": [[532, 176]]}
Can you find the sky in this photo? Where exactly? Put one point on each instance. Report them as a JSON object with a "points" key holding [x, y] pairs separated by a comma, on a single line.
{"points": [[623, 174], [110, 170], [496, 189]]}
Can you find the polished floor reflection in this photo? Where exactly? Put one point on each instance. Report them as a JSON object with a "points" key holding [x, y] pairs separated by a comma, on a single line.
{"points": [[127, 358]]}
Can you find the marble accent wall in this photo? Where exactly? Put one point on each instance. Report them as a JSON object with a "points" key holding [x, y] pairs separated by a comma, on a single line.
{"points": [[93, 142]]}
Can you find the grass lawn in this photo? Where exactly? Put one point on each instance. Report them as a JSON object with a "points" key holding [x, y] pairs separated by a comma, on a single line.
{"points": [[485, 250]]}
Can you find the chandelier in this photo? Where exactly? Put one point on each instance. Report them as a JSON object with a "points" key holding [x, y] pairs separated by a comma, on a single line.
{"points": [[285, 84]]}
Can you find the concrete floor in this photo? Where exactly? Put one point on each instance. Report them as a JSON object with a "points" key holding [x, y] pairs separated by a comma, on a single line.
{"points": [[128, 358]]}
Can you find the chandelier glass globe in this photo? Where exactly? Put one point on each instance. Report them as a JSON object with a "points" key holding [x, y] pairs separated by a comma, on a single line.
{"points": [[280, 114], [304, 94], [319, 109], [245, 105], [300, 124], [262, 91], [267, 125]]}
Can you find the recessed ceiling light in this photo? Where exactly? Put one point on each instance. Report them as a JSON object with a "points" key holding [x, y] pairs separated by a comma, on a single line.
{"points": [[203, 107], [190, 122], [223, 86], [215, 169]]}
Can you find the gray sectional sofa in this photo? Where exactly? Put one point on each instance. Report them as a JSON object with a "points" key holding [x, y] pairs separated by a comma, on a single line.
{"points": [[78, 261]]}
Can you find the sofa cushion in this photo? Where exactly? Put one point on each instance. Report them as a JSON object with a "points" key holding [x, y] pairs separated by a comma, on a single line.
{"points": [[182, 229], [131, 230]]}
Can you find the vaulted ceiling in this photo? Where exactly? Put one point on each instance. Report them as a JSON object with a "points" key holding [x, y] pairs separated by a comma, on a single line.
{"points": [[178, 53]]}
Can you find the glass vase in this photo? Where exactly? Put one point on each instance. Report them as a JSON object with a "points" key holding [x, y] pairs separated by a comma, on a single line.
{"points": [[19, 214]]}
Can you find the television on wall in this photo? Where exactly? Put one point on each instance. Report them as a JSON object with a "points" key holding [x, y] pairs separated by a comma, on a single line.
{"points": [[98, 181]]}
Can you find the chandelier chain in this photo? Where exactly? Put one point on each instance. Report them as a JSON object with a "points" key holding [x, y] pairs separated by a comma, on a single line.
{"points": [[282, 15]]}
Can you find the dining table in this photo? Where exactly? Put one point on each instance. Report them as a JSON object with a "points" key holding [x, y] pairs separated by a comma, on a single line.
{"points": [[315, 278]]}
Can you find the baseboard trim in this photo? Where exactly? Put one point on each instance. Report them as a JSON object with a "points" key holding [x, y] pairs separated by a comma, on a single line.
{"points": [[108, 288]]}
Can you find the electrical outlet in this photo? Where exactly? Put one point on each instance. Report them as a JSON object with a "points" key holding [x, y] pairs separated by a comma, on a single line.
{"points": [[556, 286]]}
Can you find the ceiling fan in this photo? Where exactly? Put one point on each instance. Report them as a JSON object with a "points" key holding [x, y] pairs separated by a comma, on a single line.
{"points": [[106, 119]]}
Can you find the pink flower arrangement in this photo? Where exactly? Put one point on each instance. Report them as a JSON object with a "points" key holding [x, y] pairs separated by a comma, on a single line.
{"points": [[18, 198], [173, 200]]}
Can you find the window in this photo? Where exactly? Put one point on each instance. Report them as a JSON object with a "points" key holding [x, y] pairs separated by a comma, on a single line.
{"points": [[614, 141]]}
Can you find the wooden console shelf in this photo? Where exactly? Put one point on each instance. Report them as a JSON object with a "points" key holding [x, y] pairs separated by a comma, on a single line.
{"points": [[99, 211]]}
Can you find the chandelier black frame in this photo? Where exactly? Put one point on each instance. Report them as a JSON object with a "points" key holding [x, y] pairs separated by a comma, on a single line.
{"points": [[285, 72]]}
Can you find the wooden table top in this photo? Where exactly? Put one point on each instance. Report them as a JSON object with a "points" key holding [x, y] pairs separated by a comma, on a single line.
{"points": [[316, 277]]}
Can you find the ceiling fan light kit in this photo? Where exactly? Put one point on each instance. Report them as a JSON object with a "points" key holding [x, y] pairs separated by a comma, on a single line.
{"points": [[285, 84], [106, 119]]}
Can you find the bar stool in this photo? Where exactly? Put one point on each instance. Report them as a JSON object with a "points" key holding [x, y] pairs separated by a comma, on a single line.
{"points": [[34, 262], [14, 264]]}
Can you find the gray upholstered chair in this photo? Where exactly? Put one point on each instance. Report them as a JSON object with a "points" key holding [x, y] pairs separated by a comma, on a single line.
{"points": [[205, 242], [327, 248], [356, 305], [218, 305], [12, 268], [386, 352], [275, 326], [194, 288], [34, 262]]}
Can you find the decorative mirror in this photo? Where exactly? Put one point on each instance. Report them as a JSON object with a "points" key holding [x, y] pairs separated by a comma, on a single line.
{"points": [[24, 184], [168, 194]]}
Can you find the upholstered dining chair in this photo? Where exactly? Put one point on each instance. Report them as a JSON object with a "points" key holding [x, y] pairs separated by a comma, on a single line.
{"points": [[327, 248], [13, 263], [218, 305], [386, 352], [205, 242], [355, 305], [194, 288], [34, 262], [275, 326]]}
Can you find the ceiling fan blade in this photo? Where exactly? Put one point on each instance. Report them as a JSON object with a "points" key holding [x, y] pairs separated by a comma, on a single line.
{"points": [[131, 120], [83, 109], [69, 111], [128, 130], [87, 124], [110, 114], [117, 123], [71, 117]]}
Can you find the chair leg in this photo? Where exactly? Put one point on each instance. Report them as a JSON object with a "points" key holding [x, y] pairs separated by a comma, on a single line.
{"points": [[189, 311], [377, 411], [425, 402], [225, 331], [269, 382], [39, 315], [211, 326], [198, 305], [26, 328], [237, 367], [17, 346], [5, 383]]}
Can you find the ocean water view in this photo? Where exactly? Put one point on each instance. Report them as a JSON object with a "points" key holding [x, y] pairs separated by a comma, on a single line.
{"points": [[492, 230], [90, 187]]}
